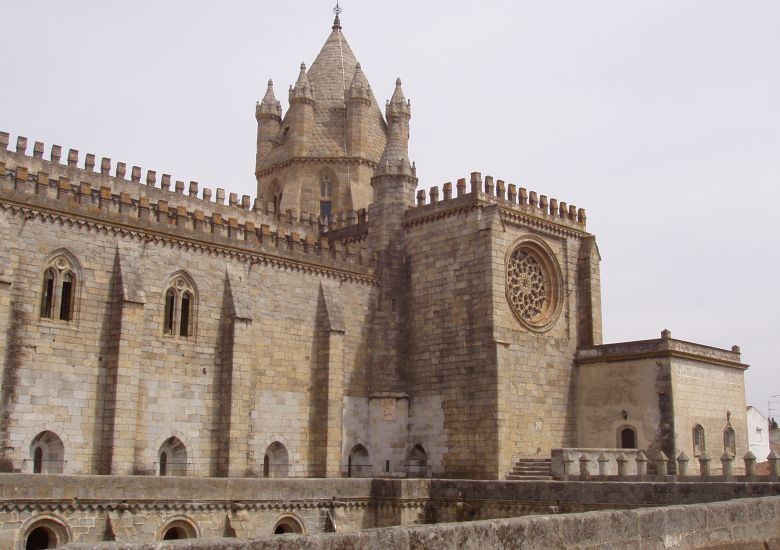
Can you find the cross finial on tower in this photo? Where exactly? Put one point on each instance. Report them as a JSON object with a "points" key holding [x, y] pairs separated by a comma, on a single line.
{"points": [[337, 22]]}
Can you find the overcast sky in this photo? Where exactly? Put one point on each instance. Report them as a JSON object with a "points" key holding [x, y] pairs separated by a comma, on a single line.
{"points": [[661, 118]]}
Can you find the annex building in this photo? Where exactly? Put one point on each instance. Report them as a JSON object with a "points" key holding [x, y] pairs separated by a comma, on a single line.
{"points": [[341, 324]]}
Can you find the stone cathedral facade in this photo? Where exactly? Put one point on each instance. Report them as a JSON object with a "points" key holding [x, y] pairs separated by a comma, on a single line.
{"points": [[342, 323]]}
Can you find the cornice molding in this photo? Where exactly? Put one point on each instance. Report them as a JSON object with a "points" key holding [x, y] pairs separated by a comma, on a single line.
{"points": [[148, 235], [309, 160]]}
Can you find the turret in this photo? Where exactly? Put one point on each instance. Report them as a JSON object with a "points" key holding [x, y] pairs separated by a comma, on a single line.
{"points": [[268, 113], [300, 115], [395, 158], [393, 184], [358, 110]]}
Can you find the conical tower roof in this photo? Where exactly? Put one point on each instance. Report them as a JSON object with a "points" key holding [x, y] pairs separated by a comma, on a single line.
{"points": [[330, 76]]}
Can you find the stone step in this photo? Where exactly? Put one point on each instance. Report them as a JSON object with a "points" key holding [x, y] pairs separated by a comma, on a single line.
{"points": [[530, 469], [513, 477]]}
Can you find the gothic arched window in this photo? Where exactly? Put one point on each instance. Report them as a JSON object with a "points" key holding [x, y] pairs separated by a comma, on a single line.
{"points": [[58, 299], [275, 196], [179, 313], [326, 194]]}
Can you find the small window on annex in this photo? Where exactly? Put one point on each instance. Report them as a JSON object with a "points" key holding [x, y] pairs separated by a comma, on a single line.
{"points": [[730, 441], [180, 302], [698, 440], [58, 297]]}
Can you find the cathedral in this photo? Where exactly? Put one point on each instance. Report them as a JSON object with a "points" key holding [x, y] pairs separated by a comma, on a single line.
{"points": [[342, 323]]}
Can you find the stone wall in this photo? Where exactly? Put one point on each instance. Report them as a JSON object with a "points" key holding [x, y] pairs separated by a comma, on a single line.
{"points": [[273, 318], [607, 391], [750, 523], [452, 355], [712, 396], [141, 508], [492, 374], [662, 389]]}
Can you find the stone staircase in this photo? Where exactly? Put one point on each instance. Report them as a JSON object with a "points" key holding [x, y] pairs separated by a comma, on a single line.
{"points": [[530, 469]]}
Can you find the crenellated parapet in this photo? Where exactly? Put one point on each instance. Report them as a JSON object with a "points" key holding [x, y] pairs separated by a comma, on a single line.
{"points": [[348, 229], [513, 201], [350, 225], [104, 198]]}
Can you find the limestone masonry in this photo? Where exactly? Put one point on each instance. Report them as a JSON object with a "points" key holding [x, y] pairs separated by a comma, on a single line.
{"points": [[341, 324]]}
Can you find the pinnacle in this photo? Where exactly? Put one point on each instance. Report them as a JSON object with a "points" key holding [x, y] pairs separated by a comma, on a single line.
{"points": [[398, 94], [397, 106], [269, 93], [302, 87], [359, 81], [303, 80], [269, 105]]}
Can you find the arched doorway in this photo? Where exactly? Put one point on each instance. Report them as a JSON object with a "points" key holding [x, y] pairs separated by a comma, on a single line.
{"points": [[417, 464], [45, 532], [288, 524], [47, 453], [174, 533], [178, 528], [358, 463], [627, 437], [40, 538], [172, 458], [276, 462]]}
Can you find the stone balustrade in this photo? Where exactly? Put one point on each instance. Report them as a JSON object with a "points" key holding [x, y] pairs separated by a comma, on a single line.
{"points": [[617, 464]]}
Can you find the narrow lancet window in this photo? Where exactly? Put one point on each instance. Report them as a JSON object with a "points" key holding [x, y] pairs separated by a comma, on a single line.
{"points": [[170, 306], [48, 294], [66, 297], [38, 461], [184, 325], [326, 190]]}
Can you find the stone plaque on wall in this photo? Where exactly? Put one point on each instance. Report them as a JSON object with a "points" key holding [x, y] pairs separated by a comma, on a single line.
{"points": [[388, 409]]}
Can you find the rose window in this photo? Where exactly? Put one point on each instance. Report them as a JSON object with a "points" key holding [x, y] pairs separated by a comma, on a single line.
{"points": [[526, 285], [532, 283]]}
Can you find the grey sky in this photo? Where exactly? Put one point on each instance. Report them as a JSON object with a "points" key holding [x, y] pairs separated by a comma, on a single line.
{"points": [[661, 118]]}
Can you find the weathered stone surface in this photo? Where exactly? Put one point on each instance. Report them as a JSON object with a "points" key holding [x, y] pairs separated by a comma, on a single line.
{"points": [[677, 527]]}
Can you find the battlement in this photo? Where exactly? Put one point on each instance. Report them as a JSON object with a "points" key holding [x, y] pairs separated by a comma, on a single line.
{"points": [[507, 196], [175, 192], [34, 182], [351, 225]]}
